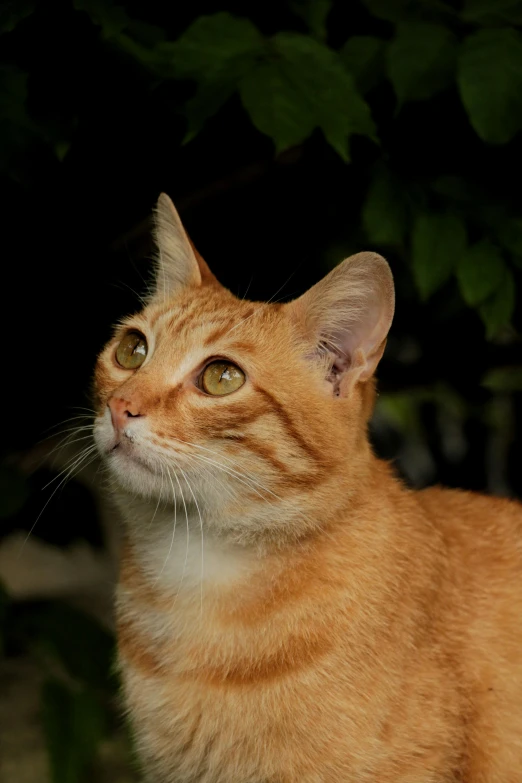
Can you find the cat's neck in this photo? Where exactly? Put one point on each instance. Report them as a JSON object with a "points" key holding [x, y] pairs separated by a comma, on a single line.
{"points": [[189, 546]]}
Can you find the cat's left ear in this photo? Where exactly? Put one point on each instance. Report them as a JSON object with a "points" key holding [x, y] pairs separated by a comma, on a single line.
{"points": [[179, 264], [347, 316]]}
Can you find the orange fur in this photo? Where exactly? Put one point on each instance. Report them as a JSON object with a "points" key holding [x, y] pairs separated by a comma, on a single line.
{"points": [[343, 628]]}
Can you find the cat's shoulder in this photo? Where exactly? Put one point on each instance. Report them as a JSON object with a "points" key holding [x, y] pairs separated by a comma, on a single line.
{"points": [[469, 505], [486, 526]]}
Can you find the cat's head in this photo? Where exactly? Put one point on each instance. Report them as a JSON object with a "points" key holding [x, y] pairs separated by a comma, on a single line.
{"points": [[250, 410]]}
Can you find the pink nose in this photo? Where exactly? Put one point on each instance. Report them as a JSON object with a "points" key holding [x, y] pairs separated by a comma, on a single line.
{"points": [[121, 411]]}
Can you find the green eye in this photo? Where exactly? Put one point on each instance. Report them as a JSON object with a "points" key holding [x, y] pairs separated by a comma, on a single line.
{"points": [[221, 378], [131, 351]]}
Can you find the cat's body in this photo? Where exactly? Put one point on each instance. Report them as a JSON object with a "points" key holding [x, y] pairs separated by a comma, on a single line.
{"points": [[297, 615]]}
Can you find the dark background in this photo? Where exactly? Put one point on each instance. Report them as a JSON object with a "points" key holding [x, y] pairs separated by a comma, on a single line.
{"points": [[91, 132]]}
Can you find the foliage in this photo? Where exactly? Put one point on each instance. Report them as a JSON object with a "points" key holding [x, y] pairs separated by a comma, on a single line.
{"points": [[292, 83], [76, 655]]}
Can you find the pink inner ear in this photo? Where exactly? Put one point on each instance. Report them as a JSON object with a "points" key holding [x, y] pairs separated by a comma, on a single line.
{"points": [[339, 364]]}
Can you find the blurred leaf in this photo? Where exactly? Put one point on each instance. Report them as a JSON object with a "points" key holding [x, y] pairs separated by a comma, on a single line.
{"points": [[146, 56], [111, 18], [74, 724], [363, 56], [384, 213], [490, 83], [504, 379], [314, 14], [61, 148], [145, 33], [421, 60], [497, 311], [401, 410], [12, 12], [455, 189], [485, 12], [438, 241], [14, 491], [208, 45], [13, 97], [509, 234], [390, 10], [305, 86], [400, 10], [480, 272]]}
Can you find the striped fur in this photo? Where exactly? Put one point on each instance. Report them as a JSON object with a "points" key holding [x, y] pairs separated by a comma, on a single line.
{"points": [[288, 612]]}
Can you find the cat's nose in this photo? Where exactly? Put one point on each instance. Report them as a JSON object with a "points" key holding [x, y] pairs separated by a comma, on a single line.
{"points": [[121, 411]]}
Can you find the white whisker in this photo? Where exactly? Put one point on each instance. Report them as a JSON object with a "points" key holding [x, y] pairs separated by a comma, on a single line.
{"points": [[201, 525], [79, 463]]}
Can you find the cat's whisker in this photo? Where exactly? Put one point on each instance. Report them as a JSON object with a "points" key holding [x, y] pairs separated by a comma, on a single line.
{"points": [[71, 464], [273, 298], [173, 527], [138, 296], [69, 441], [159, 498], [79, 464], [65, 421], [244, 478], [239, 474], [230, 472], [211, 477], [201, 526]]}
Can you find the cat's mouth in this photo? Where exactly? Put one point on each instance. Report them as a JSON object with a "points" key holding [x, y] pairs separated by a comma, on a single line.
{"points": [[125, 448]]}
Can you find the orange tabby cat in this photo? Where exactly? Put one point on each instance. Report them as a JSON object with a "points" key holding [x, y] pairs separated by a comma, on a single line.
{"points": [[288, 612]]}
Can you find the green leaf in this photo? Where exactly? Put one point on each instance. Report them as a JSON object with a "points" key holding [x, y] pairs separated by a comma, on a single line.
{"points": [[13, 12], [314, 14], [486, 12], [208, 45], [509, 235], [438, 242], [145, 33], [497, 311], [13, 96], [384, 213], [61, 148], [421, 60], [390, 10], [74, 724], [398, 10], [213, 92], [455, 189], [111, 18], [275, 106], [302, 86], [480, 272], [504, 379], [490, 83], [363, 56]]}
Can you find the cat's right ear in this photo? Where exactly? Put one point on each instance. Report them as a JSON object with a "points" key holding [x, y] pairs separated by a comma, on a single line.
{"points": [[347, 316], [178, 262]]}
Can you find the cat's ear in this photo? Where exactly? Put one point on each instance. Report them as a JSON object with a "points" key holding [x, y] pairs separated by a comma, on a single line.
{"points": [[178, 262], [348, 315]]}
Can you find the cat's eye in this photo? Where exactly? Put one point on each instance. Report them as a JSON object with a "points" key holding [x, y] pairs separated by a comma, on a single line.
{"points": [[221, 377], [131, 351]]}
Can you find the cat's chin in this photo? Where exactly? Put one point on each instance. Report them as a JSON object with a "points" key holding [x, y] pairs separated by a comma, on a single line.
{"points": [[132, 472]]}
